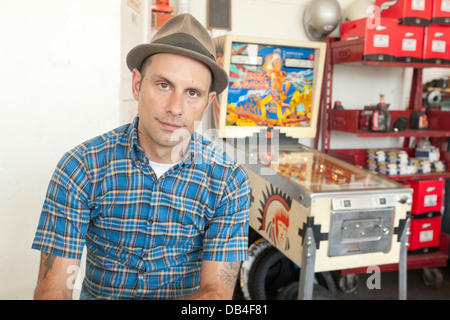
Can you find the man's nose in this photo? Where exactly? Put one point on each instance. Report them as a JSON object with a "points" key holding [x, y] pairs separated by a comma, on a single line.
{"points": [[175, 104]]}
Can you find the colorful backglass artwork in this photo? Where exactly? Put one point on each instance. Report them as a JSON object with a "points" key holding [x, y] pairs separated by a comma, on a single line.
{"points": [[270, 86], [273, 84]]}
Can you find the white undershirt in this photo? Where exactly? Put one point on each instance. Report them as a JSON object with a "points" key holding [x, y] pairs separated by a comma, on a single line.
{"points": [[161, 168]]}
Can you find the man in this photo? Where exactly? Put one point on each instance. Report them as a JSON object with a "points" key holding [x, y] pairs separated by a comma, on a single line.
{"points": [[162, 211]]}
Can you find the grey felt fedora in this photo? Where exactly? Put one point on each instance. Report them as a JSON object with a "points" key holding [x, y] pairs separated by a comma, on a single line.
{"points": [[185, 35]]}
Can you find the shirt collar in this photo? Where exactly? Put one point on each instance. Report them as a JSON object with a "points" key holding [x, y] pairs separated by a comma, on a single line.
{"points": [[132, 135], [136, 153]]}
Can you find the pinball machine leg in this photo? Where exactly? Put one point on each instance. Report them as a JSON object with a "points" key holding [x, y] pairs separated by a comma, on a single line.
{"points": [[306, 286], [402, 266]]}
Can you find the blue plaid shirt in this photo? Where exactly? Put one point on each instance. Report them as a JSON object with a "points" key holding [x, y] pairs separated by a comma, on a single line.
{"points": [[145, 237]]}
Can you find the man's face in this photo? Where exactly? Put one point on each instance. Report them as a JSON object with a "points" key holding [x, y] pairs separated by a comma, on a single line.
{"points": [[173, 95]]}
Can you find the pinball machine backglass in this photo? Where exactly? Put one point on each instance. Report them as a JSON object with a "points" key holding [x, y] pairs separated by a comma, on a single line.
{"points": [[273, 83]]}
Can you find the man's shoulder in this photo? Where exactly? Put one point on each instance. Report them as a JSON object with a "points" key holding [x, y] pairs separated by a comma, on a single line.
{"points": [[219, 155], [106, 140], [97, 149], [211, 152]]}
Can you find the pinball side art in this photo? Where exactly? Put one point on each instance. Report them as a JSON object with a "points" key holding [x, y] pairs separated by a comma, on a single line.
{"points": [[274, 216], [272, 84]]}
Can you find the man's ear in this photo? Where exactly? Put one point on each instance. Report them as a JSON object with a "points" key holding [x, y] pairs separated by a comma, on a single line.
{"points": [[136, 84], [212, 95]]}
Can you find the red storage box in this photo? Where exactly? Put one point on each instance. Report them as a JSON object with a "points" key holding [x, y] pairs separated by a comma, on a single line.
{"points": [[436, 44], [344, 120], [410, 43], [425, 232], [441, 12], [438, 120], [427, 196], [407, 11], [380, 42]]}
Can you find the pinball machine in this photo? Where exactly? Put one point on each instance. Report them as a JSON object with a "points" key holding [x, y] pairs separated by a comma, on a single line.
{"points": [[322, 213]]}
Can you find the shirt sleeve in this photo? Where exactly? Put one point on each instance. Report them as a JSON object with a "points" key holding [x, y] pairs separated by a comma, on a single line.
{"points": [[226, 238], [65, 214]]}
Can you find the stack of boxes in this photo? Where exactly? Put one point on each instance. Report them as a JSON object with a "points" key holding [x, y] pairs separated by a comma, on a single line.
{"points": [[426, 215], [404, 31], [398, 162], [388, 162]]}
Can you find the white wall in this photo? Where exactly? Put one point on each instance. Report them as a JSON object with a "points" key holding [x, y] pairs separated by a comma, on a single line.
{"points": [[63, 80], [59, 85], [135, 29]]}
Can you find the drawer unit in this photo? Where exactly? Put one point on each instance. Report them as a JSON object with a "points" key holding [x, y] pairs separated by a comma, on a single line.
{"points": [[428, 196]]}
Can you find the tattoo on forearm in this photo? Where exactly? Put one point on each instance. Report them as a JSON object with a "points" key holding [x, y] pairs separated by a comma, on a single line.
{"points": [[228, 274], [47, 263]]}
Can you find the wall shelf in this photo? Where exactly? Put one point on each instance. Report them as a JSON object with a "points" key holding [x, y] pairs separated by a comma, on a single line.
{"points": [[348, 121]]}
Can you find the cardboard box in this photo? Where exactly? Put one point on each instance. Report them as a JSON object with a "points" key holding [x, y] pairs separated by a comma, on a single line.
{"points": [[441, 12], [407, 11], [389, 169], [379, 41], [397, 156], [410, 43], [436, 48], [159, 18], [428, 196], [428, 152], [425, 232]]}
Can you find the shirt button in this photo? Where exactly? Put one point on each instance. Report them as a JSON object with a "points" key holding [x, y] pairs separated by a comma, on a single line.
{"points": [[151, 221], [141, 276]]}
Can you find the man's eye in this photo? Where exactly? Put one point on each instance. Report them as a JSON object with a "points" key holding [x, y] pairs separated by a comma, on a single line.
{"points": [[192, 93], [164, 85]]}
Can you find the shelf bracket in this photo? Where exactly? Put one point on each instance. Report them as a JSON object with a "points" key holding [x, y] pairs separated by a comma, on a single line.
{"points": [[323, 127]]}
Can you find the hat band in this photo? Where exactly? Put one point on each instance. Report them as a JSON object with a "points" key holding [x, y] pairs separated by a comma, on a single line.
{"points": [[185, 41]]}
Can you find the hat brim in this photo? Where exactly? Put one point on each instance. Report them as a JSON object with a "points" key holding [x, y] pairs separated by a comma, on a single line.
{"points": [[137, 55]]}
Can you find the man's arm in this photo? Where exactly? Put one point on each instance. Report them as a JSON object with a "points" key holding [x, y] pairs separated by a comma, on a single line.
{"points": [[217, 281], [56, 278]]}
